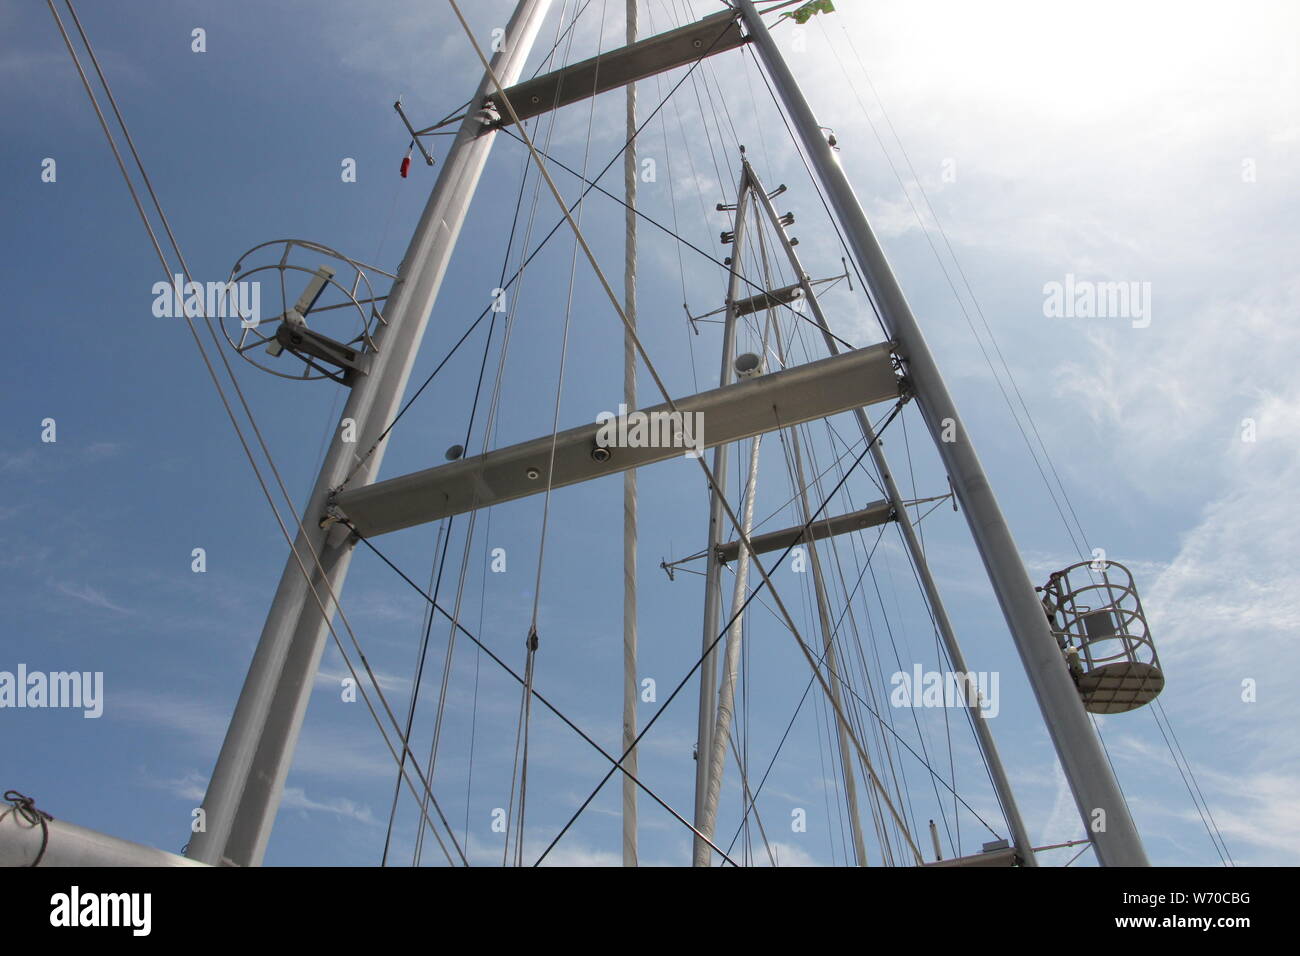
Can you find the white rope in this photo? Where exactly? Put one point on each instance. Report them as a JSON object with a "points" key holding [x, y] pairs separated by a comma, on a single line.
{"points": [[293, 548], [731, 656], [629, 476]]}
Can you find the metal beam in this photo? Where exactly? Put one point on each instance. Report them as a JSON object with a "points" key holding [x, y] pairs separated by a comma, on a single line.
{"points": [[609, 71], [872, 515], [70, 845], [727, 414]]}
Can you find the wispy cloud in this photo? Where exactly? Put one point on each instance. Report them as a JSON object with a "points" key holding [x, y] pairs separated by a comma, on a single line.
{"points": [[17, 461], [100, 450], [192, 786], [92, 596], [327, 753], [295, 798]]}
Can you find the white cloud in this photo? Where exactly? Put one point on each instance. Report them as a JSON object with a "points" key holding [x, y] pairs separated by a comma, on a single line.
{"points": [[17, 461], [192, 786], [327, 753], [1266, 817], [91, 596], [568, 852], [295, 798], [787, 854], [98, 451]]}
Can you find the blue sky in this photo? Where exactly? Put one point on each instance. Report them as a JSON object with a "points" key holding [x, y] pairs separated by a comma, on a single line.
{"points": [[1147, 143]]}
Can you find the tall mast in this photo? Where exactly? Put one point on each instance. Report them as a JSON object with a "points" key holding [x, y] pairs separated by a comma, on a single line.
{"points": [[713, 566], [248, 781], [1096, 792], [716, 756], [1019, 834]]}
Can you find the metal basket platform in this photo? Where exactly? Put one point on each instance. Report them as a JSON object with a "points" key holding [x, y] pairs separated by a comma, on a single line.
{"points": [[1097, 617]]}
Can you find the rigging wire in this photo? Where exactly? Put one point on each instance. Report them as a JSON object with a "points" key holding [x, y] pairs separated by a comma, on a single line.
{"points": [[532, 642], [1211, 829], [813, 178], [1160, 711], [681, 240], [883, 743], [593, 184], [793, 454], [650, 368], [1033, 426], [469, 536], [217, 382], [478, 660], [851, 504], [879, 719], [494, 405], [767, 583], [1080, 548], [537, 695], [425, 626]]}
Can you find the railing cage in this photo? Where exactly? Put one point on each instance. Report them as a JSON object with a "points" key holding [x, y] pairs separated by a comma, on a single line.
{"points": [[1097, 617], [349, 306]]}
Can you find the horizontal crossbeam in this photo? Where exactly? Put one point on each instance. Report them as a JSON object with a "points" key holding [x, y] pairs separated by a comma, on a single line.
{"points": [[768, 300], [749, 407], [609, 71], [872, 515]]}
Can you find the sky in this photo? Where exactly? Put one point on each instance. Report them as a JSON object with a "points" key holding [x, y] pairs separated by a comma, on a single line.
{"points": [[997, 150]]}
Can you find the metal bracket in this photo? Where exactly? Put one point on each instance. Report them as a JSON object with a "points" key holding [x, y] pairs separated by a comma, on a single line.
{"points": [[303, 342], [415, 136]]}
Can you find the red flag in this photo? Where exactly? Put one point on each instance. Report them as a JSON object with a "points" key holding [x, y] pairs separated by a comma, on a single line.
{"points": [[406, 161]]}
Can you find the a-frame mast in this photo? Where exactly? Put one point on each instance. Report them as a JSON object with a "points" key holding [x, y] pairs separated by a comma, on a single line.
{"points": [[1001, 784], [716, 696], [713, 566]]}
